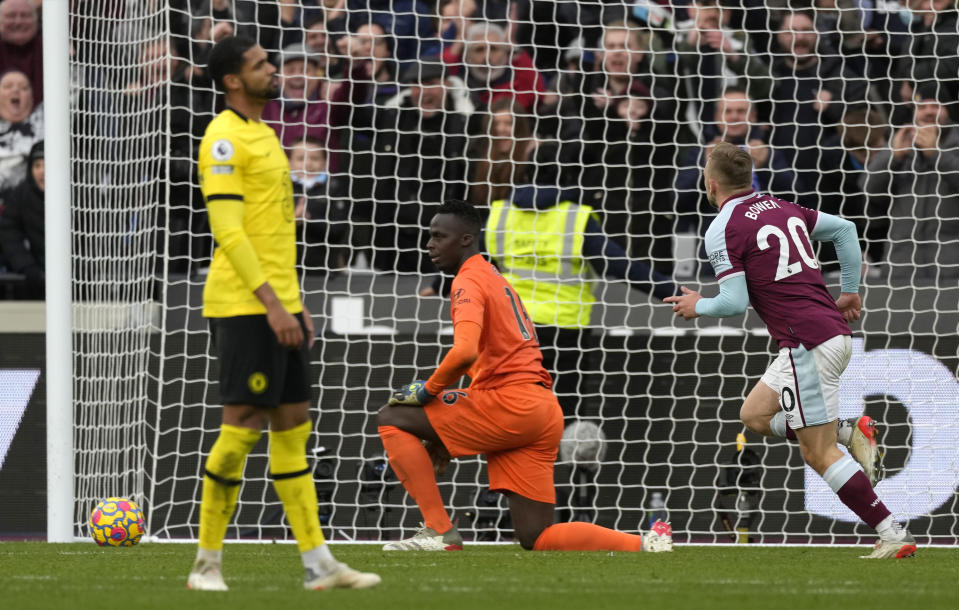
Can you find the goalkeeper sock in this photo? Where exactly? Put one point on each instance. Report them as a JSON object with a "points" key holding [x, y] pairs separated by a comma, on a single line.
{"points": [[413, 467], [293, 483], [221, 482], [580, 536], [780, 428]]}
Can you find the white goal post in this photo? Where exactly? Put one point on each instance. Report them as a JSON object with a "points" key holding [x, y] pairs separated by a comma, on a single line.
{"points": [[60, 459], [133, 407]]}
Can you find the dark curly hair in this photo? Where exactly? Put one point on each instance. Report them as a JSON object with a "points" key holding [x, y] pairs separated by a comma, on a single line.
{"points": [[465, 211], [227, 58]]}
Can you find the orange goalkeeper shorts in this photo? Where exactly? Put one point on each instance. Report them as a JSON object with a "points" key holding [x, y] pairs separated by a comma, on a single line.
{"points": [[518, 427]]}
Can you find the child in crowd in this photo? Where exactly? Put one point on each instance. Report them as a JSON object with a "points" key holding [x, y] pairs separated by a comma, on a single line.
{"points": [[323, 217]]}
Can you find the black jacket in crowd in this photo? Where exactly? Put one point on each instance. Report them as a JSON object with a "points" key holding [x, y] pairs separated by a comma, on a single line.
{"points": [[22, 239]]}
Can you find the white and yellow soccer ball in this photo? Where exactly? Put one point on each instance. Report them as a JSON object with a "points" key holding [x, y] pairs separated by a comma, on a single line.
{"points": [[117, 522]]}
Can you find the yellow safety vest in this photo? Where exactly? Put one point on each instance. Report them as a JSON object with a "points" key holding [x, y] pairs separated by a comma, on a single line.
{"points": [[540, 252]]}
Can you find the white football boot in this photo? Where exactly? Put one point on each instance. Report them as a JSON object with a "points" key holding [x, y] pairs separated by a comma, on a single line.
{"points": [[659, 538], [426, 539], [863, 444], [338, 575], [206, 576], [899, 545]]}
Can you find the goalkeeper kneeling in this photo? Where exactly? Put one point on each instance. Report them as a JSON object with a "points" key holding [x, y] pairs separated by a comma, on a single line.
{"points": [[509, 412]]}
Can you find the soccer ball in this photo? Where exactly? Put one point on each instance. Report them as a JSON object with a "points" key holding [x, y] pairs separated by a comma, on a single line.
{"points": [[116, 522], [584, 444]]}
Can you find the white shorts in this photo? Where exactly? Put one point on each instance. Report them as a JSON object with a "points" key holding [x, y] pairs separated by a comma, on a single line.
{"points": [[808, 381]]}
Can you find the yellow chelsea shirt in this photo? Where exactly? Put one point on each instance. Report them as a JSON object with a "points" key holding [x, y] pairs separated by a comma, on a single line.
{"points": [[245, 179]]}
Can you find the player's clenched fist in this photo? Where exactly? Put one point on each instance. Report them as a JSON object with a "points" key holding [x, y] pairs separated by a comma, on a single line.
{"points": [[413, 395], [850, 306]]}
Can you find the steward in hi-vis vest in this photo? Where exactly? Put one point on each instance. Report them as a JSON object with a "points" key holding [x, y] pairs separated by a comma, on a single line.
{"points": [[540, 252], [552, 250]]}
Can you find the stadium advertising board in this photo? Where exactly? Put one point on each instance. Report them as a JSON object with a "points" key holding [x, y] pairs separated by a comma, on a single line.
{"points": [[668, 404]]}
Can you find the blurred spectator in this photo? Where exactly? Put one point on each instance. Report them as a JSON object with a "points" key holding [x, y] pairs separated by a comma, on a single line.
{"points": [[546, 27], [493, 69], [21, 126], [498, 153], [304, 111], [419, 149], [323, 217], [167, 108], [164, 82], [316, 41], [660, 16], [712, 57], [410, 22], [931, 50], [624, 154], [372, 46], [455, 18], [301, 109], [228, 18], [370, 49], [735, 122], [133, 21], [864, 136], [868, 34], [333, 9], [296, 18], [915, 184], [21, 227], [21, 43], [214, 20], [843, 23], [367, 55], [813, 91], [568, 81]]}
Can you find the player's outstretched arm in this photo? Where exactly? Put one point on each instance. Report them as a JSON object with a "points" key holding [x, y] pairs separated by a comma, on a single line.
{"points": [[685, 305], [732, 300]]}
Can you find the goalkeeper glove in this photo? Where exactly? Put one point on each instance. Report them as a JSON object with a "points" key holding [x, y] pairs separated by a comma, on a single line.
{"points": [[411, 395]]}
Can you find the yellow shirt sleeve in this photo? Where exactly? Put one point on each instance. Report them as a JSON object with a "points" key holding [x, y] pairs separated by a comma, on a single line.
{"points": [[221, 168], [226, 222]]}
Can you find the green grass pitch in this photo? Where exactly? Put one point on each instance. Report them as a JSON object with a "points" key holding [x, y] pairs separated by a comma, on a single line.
{"points": [[268, 577]]}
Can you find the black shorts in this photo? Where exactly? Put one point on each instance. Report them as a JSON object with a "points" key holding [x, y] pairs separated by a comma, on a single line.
{"points": [[254, 368]]}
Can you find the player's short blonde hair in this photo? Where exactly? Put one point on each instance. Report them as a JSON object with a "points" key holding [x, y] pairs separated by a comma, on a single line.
{"points": [[730, 166]]}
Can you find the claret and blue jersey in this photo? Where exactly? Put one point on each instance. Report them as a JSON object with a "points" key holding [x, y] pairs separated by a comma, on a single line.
{"points": [[768, 242]]}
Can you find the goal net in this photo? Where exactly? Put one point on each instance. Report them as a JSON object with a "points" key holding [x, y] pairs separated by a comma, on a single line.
{"points": [[387, 108]]}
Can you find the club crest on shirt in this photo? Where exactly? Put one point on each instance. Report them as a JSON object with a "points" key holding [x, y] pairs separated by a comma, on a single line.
{"points": [[222, 150]]}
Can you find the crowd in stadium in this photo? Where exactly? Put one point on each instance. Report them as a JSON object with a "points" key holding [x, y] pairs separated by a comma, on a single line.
{"points": [[389, 107]]}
